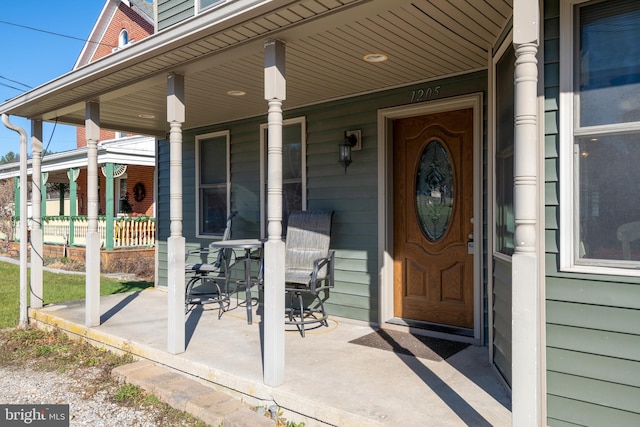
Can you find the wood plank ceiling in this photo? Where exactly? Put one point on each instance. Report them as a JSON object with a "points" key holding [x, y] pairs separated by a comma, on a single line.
{"points": [[325, 44]]}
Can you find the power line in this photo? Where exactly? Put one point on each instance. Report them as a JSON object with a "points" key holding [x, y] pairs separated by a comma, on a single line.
{"points": [[52, 33], [11, 87], [14, 81]]}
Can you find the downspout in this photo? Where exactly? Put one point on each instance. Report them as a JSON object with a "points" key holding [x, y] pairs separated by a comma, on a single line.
{"points": [[23, 220]]}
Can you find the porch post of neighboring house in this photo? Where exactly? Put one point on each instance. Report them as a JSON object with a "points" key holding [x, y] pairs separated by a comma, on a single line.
{"points": [[73, 175], [44, 177], [110, 211], [36, 222], [92, 129], [274, 250], [176, 241], [527, 398]]}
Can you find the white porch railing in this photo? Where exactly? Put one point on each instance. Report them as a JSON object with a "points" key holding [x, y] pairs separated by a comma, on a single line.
{"points": [[127, 231]]}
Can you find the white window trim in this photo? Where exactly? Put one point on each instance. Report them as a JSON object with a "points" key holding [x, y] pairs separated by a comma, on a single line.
{"points": [[569, 231], [199, 138], [263, 179]]}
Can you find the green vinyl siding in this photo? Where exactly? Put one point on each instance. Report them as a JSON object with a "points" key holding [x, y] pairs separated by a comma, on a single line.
{"points": [[593, 341], [502, 317], [162, 210], [171, 12], [352, 196]]}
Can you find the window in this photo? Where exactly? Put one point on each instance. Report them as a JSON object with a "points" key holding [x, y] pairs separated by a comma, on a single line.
{"points": [[601, 150], [504, 135], [293, 169], [212, 164], [123, 205], [209, 3], [123, 38]]}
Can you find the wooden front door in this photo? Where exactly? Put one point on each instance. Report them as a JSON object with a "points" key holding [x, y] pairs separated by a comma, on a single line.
{"points": [[433, 214]]}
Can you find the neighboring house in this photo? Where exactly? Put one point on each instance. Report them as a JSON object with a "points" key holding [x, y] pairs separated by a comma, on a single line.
{"points": [[127, 172], [123, 160], [450, 219]]}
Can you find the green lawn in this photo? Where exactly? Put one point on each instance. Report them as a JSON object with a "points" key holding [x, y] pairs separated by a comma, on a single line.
{"points": [[58, 287]]}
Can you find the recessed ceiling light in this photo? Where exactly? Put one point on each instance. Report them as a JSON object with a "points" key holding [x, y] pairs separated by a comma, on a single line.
{"points": [[375, 57], [236, 93], [147, 116]]}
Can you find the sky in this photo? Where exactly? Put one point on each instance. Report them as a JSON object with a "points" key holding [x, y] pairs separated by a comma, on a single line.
{"points": [[30, 57]]}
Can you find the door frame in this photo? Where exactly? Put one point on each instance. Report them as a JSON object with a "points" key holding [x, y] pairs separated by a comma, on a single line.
{"points": [[385, 208]]}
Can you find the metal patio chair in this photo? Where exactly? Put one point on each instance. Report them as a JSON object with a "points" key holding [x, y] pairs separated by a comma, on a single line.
{"points": [[308, 267], [208, 280]]}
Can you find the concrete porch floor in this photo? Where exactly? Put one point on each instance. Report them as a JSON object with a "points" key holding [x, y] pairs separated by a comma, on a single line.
{"points": [[328, 381]]}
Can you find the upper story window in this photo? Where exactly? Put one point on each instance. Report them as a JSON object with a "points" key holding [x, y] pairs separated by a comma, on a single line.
{"points": [[123, 38], [600, 136], [209, 3], [294, 169], [212, 186]]}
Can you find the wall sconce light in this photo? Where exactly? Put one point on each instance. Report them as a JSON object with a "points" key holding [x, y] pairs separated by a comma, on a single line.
{"points": [[352, 142]]}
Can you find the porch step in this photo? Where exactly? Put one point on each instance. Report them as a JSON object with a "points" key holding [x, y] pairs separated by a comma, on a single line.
{"points": [[185, 394]]}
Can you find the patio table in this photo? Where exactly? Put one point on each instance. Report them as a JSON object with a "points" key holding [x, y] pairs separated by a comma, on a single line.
{"points": [[248, 245]]}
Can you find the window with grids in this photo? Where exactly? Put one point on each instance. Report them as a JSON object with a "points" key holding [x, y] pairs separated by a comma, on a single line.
{"points": [[606, 134], [212, 183]]}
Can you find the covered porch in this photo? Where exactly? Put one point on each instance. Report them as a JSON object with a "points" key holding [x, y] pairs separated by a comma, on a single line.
{"points": [[242, 71], [329, 380]]}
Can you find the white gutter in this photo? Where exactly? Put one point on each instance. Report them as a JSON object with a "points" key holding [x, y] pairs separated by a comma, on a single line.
{"points": [[23, 215]]}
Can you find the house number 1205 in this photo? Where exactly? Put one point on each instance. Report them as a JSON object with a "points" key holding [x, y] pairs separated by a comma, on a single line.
{"points": [[425, 94]]}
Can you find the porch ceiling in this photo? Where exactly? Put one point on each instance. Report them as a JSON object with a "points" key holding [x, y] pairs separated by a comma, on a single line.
{"points": [[325, 43]]}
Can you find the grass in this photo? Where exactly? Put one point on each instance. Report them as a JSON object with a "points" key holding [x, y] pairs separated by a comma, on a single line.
{"points": [[53, 351], [58, 287]]}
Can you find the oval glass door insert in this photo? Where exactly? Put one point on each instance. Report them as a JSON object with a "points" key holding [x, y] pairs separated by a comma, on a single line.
{"points": [[434, 190]]}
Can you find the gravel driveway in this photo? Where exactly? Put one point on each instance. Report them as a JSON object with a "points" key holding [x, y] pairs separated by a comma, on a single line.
{"points": [[26, 386]]}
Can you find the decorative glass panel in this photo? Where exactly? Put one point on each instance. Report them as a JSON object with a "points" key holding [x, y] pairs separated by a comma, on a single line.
{"points": [[434, 191]]}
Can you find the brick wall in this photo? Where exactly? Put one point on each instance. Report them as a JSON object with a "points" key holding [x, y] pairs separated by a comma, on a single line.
{"points": [[135, 174], [107, 258], [138, 28]]}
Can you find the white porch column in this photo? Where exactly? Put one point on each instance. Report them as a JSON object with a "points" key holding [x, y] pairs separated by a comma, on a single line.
{"points": [[176, 242], [274, 92], [527, 399], [36, 222], [92, 254]]}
